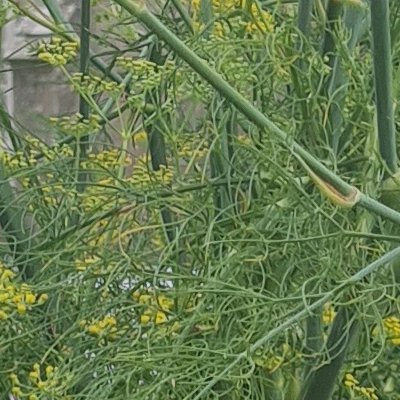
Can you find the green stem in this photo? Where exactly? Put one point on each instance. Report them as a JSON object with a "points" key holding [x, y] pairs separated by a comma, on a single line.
{"points": [[383, 82], [333, 11], [321, 382], [83, 69], [354, 21], [304, 16], [156, 141], [247, 109], [184, 14]]}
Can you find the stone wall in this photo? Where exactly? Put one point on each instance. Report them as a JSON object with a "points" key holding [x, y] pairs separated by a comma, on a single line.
{"points": [[32, 89]]}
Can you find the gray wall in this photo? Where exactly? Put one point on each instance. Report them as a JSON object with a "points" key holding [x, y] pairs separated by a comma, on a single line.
{"points": [[33, 89]]}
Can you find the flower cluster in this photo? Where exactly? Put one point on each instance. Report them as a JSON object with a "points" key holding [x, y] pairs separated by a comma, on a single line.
{"points": [[107, 159], [156, 307], [189, 149], [57, 51], [16, 297], [270, 361], [55, 152], [353, 385], [259, 21], [145, 72], [91, 84], [328, 314], [76, 125], [392, 329], [102, 195], [146, 75], [88, 261], [16, 161], [143, 177], [52, 191], [253, 19], [102, 328], [41, 382]]}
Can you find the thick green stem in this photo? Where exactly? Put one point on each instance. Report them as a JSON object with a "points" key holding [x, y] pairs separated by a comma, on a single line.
{"points": [[247, 109], [354, 22], [84, 108], [156, 140], [333, 11], [321, 382], [304, 16], [383, 82]]}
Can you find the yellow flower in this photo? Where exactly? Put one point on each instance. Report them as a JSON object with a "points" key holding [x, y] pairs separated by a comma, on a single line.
{"points": [[140, 137], [16, 391], [395, 341], [110, 321], [328, 314], [42, 298], [3, 315], [350, 381], [144, 319], [30, 298], [14, 379], [145, 299], [7, 274], [34, 376], [36, 367], [17, 299], [165, 302], [21, 308], [4, 297], [94, 329], [41, 384], [49, 371], [161, 318]]}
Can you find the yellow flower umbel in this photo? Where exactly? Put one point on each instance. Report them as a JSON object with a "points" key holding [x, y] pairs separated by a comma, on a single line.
{"points": [[76, 125], [253, 19], [92, 85], [354, 387], [328, 314], [102, 328], [40, 382], [260, 21], [156, 307], [15, 297], [57, 51], [392, 329]]}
